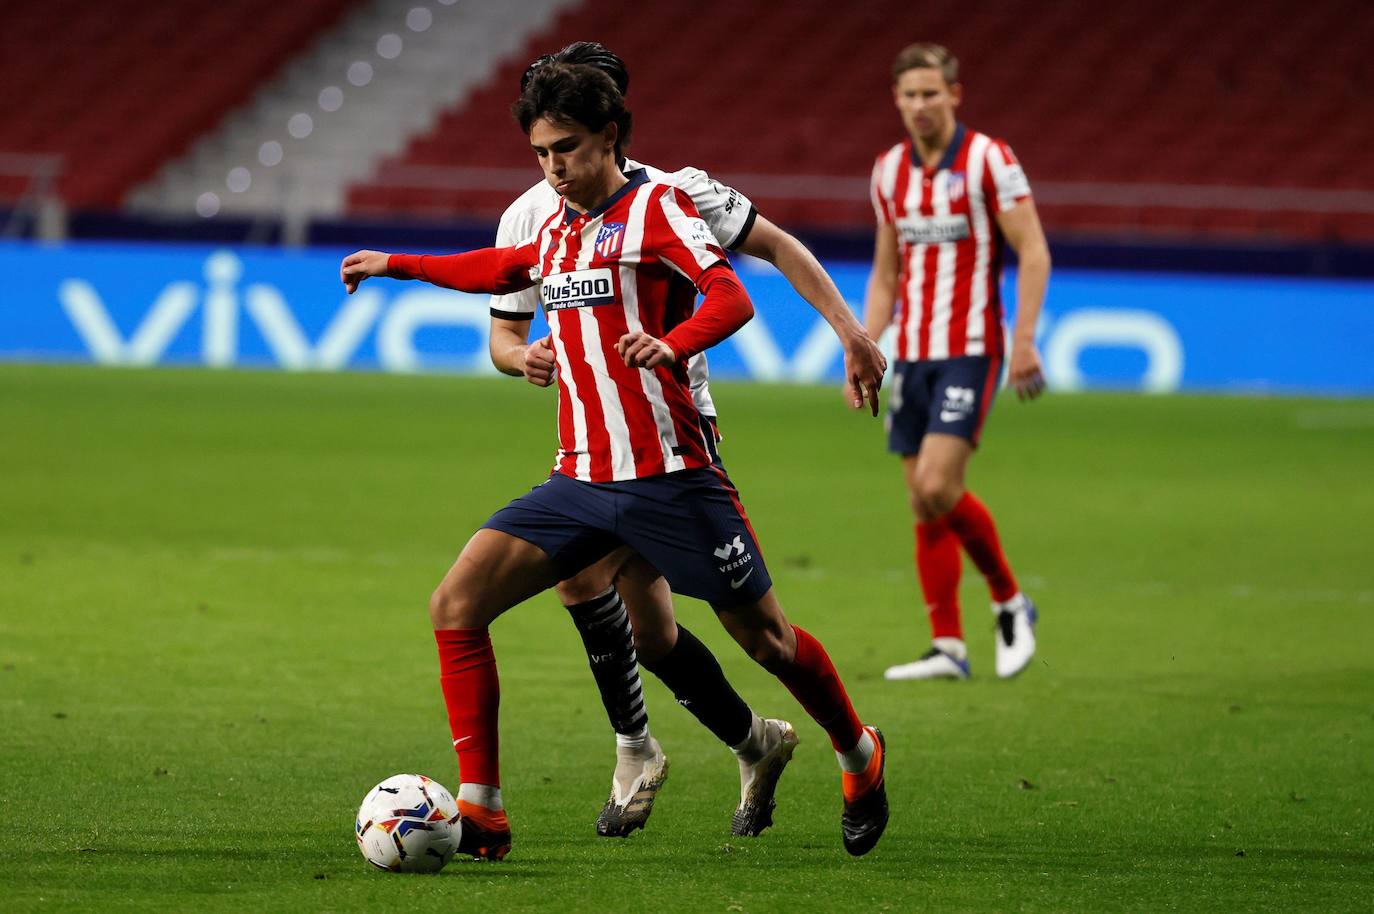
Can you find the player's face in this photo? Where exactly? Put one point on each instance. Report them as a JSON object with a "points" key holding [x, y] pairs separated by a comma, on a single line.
{"points": [[575, 160], [926, 102]]}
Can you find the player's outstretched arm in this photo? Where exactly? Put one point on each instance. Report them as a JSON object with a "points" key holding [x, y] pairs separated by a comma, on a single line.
{"points": [[1020, 225], [864, 365], [494, 270]]}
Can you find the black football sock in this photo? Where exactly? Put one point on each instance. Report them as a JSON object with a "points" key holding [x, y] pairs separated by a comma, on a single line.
{"points": [[700, 686], [605, 629]]}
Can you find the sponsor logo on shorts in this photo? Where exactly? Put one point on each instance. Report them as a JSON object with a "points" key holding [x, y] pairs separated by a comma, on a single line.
{"points": [[741, 558], [578, 289], [736, 548], [959, 404]]}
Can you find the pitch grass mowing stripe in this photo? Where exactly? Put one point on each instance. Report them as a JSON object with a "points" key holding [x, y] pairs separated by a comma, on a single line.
{"points": [[213, 641]]}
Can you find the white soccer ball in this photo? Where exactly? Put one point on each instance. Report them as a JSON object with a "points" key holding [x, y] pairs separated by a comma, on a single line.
{"points": [[408, 824]]}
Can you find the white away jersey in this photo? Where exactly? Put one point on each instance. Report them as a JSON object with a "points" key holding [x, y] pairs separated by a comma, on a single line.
{"points": [[727, 213], [949, 300]]}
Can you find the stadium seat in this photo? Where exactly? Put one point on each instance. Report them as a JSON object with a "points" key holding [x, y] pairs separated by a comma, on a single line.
{"points": [[116, 101], [1111, 99]]}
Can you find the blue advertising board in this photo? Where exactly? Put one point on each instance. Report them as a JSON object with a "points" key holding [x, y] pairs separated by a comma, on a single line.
{"points": [[141, 304]]}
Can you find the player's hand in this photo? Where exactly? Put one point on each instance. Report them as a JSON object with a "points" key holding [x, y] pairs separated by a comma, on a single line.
{"points": [[1025, 374], [864, 367], [639, 350], [538, 362], [359, 266]]}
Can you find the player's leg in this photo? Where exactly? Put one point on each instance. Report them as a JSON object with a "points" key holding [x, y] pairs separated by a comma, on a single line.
{"points": [[595, 603], [965, 389], [693, 528], [929, 474], [936, 556], [545, 536], [685, 665], [800, 663], [494, 572]]}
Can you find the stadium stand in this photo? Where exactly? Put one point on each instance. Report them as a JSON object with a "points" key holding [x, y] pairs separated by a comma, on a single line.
{"points": [[1219, 118], [115, 93], [1230, 119], [392, 67]]}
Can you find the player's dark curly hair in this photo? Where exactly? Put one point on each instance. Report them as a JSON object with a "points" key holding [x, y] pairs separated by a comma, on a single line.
{"points": [[574, 93], [591, 53]]}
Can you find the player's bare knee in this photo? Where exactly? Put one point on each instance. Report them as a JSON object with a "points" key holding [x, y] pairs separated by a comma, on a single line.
{"points": [[937, 495], [770, 650], [583, 587], [652, 646], [449, 607]]}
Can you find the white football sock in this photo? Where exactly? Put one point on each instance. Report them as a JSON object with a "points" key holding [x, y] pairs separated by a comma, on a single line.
{"points": [[636, 741], [1015, 604], [483, 795], [752, 747], [856, 760], [952, 646]]}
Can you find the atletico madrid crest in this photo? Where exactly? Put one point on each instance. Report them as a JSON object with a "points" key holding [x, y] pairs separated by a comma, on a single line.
{"points": [[609, 238], [955, 185]]}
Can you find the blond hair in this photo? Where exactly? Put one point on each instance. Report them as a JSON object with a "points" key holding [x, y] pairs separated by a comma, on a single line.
{"points": [[924, 55]]}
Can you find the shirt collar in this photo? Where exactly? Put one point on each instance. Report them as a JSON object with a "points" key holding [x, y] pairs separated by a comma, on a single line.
{"points": [[636, 179], [947, 160]]}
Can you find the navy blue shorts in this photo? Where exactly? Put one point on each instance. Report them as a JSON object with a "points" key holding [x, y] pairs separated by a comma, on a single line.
{"points": [[689, 525], [948, 396]]}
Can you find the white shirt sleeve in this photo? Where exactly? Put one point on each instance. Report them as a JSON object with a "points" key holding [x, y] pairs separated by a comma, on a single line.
{"points": [[517, 225], [689, 246], [1008, 178], [728, 213]]}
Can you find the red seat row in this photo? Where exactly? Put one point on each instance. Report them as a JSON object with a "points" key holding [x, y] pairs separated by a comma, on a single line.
{"points": [[1219, 92], [120, 87]]}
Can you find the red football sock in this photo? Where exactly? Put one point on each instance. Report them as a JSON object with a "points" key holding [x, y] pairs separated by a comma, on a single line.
{"points": [[972, 523], [939, 566], [812, 680], [472, 692]]}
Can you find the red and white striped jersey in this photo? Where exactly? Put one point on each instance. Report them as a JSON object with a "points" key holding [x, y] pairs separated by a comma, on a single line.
{"points": [[631, 264], [728, 214], [949, 300]]}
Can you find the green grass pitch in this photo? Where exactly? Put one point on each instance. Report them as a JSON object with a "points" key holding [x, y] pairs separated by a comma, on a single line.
{"points": [[213, 640]]}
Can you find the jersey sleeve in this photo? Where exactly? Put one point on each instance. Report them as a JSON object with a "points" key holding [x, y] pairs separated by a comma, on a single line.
{"points": [[679, 237], [728, 213], [515, 230], [500, 270], [1004, 181]]}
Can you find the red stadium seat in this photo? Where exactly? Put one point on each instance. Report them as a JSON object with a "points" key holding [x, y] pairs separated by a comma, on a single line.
{"points": [[1108, 98], [116, 103]]}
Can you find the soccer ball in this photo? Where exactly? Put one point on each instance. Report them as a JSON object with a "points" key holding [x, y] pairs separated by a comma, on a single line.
{"points": [[408, 824]]}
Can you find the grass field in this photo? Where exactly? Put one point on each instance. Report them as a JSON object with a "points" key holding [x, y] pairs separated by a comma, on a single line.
{"points": [[213, 640]]}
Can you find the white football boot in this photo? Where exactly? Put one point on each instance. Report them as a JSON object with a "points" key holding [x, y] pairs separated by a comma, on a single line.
{"points": [[758, 780], [639, 773], [1015, 634], [935, 663]]}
